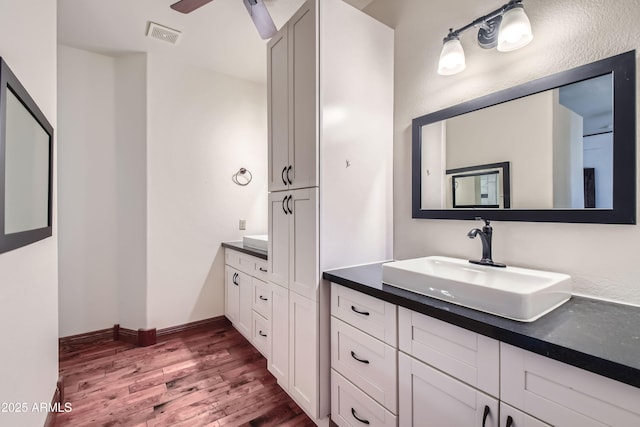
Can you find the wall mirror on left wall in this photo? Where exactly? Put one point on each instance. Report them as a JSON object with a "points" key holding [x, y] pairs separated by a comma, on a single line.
{"points": [[26, 166]]}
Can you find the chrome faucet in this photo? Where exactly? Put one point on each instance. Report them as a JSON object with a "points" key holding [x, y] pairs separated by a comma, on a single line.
{"points": [[485, 236]]}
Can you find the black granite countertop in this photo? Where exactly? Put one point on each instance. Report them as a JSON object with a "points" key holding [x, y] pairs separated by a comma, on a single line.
{"points": [[240, 247], [598, 336]]}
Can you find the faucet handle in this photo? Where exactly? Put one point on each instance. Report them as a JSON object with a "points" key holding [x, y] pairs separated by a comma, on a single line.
{"points": [[486, 221]]}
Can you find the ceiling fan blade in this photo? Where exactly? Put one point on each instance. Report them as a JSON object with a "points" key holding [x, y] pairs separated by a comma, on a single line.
{"points": [[261, 18], [188, 6]]}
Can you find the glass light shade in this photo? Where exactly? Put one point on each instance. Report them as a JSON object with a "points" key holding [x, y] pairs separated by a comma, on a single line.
{"points": [[451, 58], [515, 30]]}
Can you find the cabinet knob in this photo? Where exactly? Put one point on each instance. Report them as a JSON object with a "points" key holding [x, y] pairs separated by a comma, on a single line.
{"points": [[284, 181], [353, 354], [362, 420], [364, 313]]}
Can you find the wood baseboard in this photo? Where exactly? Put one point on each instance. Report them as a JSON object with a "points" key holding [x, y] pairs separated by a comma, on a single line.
{"points": [[211, 322], [86, 338], [56, 402], [140, 337]]}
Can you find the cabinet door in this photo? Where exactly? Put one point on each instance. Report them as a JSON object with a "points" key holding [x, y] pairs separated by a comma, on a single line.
{"points": [[231, 294], [564, 395], [303, 115], [303, 352], [304, 275], [278, 246], [428, 397], [244, 287], [278, 102], [279, 361], [511, 417]]}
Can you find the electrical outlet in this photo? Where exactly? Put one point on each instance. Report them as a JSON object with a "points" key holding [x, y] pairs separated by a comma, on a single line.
{"points": [[242, 224]]}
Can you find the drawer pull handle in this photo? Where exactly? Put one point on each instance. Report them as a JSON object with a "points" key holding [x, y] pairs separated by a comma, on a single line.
{"points": [[264, 270], [353, 354], [362, 420], [262, 334], [263, 298], [509, 421], [485, 415], [364, 313], [284, 181]]}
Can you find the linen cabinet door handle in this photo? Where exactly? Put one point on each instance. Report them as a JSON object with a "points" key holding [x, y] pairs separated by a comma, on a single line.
{"points": [[262, 334], [509, 421], [283, 207], [289, 178], [284, 181], [362, 420], [289, 206], [353, 354], [263, 298], [364, 313], [485, 415], [264, 270]]}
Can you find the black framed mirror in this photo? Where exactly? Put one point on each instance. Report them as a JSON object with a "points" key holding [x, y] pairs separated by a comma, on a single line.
{"points": [[569, 138], [26, 166]]}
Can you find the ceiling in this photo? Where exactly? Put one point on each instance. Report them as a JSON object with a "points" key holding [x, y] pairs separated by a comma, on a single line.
{"points": [[219, 36]]}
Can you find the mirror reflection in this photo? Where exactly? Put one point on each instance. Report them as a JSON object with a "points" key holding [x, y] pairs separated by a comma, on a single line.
{"points": [[558, 145]]}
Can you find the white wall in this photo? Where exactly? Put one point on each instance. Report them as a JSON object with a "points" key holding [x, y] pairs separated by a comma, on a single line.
{"points": [[131, 131], [29, 275], [87, 197], [567, 33], [203, 126]]}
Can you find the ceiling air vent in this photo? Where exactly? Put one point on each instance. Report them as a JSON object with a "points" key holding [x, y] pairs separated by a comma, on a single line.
{"points": [[166, 34]]}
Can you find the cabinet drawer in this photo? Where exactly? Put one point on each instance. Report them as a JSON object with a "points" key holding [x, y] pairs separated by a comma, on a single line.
{"points": [[261, 270], [365, 361], [428, 397], [468, 356], [261, 301], [563, 395], [261, 334], [352, 407], [511, 417], [371, 315], [232, 258]]}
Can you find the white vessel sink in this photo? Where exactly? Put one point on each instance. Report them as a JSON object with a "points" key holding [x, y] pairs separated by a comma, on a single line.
{"points": [[259, 241], [511, 292]]}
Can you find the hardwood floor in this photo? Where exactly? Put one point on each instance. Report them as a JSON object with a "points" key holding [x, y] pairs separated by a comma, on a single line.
{"points": [[206, 377]]}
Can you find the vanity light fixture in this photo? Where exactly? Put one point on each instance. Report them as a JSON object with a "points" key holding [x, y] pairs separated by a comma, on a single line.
{"points": [[506, 28]]}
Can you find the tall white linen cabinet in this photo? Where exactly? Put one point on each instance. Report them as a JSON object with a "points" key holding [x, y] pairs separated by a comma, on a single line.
{"points": [[330, 103]]}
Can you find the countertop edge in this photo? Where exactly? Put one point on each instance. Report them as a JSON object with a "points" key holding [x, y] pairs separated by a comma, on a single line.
{"points": [[239, 246], [606, 368]]}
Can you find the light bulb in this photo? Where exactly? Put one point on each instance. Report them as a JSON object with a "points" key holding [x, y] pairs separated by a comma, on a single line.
{"points": [[452, 57], [515, 29]]}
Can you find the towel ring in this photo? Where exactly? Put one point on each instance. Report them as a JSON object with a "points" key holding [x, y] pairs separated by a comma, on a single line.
{"points": [[242, 177]]}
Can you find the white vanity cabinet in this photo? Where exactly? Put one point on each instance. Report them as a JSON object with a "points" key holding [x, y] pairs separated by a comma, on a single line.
{"points": [[447, 375], [563, 395], [330, 152], [244, 293], [364, 359]]}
